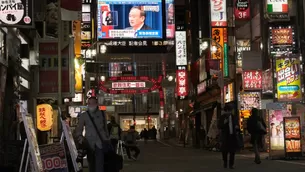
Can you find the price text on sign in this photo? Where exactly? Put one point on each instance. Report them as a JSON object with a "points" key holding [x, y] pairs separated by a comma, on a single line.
{"points": [[182, 83], [242, 9], [54, 163], [252, 79]]}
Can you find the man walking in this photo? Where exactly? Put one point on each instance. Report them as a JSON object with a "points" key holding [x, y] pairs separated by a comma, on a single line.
{"points": [[96, 135], [114, 132]]}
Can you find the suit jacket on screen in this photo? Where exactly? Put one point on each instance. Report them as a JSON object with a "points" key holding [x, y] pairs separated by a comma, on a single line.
{"points": [[144, 27]]}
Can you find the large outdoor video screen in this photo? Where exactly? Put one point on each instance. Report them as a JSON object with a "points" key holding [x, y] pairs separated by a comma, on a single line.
{"points": [[170, 19], [126, 19]]}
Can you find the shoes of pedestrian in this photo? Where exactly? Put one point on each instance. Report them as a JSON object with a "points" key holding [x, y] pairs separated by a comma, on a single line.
{"points": [[134, 158], [225, 165], [258, 161], [231, 167]]}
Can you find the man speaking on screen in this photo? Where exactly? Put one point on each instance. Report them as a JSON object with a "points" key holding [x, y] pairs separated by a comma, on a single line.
{"points": [[137, 19]]}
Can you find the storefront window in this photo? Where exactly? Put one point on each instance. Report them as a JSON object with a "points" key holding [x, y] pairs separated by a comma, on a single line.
{"points": [[141, 123]]}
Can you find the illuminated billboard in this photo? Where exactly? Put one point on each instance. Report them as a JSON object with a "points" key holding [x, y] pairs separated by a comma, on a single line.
{"points": [[170, 19], [125, 19]]}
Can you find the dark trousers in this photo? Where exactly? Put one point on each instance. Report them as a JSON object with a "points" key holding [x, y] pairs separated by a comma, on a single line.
{"points": [[96, 160], [114, 143], [133, 148], [231, 158]]}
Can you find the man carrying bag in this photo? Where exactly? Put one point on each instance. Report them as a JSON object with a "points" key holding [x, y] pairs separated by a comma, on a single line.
{"points": [[100, 153]]}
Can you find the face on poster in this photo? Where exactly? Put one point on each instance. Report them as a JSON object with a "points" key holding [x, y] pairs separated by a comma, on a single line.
{"points": [[288, 79], [129, 19], [170, 17], [249, 100], [276, 129]]}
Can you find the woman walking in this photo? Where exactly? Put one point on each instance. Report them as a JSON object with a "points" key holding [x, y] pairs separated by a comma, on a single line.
{"points": [[257, 128], [228, 124]]}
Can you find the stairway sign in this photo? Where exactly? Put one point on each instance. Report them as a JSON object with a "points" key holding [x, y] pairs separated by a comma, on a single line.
{"points": [[71, 144], [32, 141]]}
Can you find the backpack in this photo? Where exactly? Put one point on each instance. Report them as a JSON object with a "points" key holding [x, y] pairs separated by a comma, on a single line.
{"points": [[114, 133]]}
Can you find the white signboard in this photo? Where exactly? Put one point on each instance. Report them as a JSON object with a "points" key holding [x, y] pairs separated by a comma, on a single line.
{"points": [[71, 144], [181, 52], [277, 6], [32, 140], [119, 85], [218, 13]]}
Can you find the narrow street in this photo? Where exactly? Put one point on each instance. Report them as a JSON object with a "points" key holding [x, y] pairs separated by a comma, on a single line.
{"points": [[158, 157]]}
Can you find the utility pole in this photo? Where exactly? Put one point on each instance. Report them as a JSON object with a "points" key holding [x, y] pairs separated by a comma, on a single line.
{"points": [[134, 109]]}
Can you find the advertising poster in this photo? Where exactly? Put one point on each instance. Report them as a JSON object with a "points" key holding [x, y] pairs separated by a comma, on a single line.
{"points": [[48, 69], [267, 82], [218, 13], [282, 38], [242, 9], [129, 19], [292, 136], [16, 13], [54, 158], [252, 79], [276, 129], [32, 141], [249, 100], [288, 79], [170, 18]]}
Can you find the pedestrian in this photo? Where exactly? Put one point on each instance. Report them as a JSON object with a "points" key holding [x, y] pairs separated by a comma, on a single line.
{"points": [[114, 132], [145, 135], [130, 143], [256, 126], [96, 139], [229, 128], [154, 133]]}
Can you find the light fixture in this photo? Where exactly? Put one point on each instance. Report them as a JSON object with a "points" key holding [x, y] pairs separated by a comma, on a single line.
{"points": [[213, 49], [103, 49], [204, 45], [103, 78], [170, 78]]}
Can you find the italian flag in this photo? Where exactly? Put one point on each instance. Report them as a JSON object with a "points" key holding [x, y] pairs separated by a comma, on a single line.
{"points": [[277, 7]]}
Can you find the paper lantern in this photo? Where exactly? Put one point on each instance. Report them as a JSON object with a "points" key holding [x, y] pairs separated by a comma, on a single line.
{"points": [[44, 117]]}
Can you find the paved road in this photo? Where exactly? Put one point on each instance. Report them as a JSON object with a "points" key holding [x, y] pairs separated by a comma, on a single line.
{"points": [[158, 157]]}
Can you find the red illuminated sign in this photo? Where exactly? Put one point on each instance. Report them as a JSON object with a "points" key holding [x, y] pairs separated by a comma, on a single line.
{"points": [[242, 9], [156, 86], [252, 80], [182, 84]]}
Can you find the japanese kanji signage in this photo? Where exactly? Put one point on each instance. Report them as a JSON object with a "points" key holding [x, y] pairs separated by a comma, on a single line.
{"points": [[249, 100], [282, 38], [288, 79], [182, 83], [219, 35], [119, 85], [44, 117], [17, 13], [241, 45], [252, 80], [242, 9], [181, 51], [218, 13]]}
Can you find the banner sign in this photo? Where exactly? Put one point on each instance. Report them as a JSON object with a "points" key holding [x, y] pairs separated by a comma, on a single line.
{"points": [[241, 45], [218, 13], [181, 49], [32, 141], [182, 83], [267, 82], [242, 9], [252, 80], [282, 38], [288, 79], [120, 85], [219, 35], [249, 100], [54, 157], [16, 13], [87, 25], [48, 70]]}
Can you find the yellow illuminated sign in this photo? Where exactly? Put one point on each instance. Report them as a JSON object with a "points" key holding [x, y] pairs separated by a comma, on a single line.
{"points": [[44, 117], [288, 79], [77, 50]]}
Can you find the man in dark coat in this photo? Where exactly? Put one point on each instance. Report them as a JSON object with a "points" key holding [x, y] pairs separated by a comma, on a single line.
{"points": [[228, 124], [257, 128]]}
